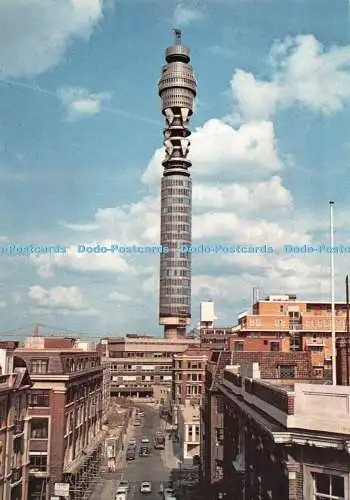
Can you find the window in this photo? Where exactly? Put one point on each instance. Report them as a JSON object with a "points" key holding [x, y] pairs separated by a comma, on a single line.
{"points": [[328, 486], [39, 428], [239, 346], [286, 371], [38, 463], [39, 366], [274, 346], [39, 399]]}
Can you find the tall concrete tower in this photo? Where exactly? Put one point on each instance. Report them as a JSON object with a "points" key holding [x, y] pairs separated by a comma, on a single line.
{"points": [[177, 90]]}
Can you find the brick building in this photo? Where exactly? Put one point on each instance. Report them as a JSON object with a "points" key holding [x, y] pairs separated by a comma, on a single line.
{"points": [[289, 442], [306, 323], [188, 375], [15, 385], [141, 366], [65, 410], [280, 367]]}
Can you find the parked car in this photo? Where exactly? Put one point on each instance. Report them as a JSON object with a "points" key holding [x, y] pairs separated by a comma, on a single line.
{"points": [[132, 442], [141, 413], [144, 451], [146, 487], [137, 422]]}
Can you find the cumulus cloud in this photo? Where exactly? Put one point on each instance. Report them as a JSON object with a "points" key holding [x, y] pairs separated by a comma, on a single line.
{"points": [[303, 73], [80, 103], [218, 150], [59, 297], [85, 262], [185, 15], [34, 34]]}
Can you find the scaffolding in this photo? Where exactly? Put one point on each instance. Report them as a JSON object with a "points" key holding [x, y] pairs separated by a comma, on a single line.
{"points": [[106, 389], [84, 481]]}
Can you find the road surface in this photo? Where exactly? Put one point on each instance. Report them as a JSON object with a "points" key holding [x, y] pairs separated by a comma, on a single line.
{"points": [[156, 468]]}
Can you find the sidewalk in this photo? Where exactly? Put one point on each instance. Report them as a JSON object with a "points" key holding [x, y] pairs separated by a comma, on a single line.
{"points": [[168, 455]]}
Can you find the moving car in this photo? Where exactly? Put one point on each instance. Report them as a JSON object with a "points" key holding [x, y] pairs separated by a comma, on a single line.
{"points": [[169, 494], [137, 422], [141, 413], [121, 494], [130, 454], [124, 484], [145, 440], [131, 443], [146, 487], [144, 451]]}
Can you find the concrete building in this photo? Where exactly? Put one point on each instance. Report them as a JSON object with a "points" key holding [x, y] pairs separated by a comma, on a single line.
{"points": [[289, 442], [280, 367], [141, 366], [211, 337], [177, 89], [65, 409], [15, 385]]}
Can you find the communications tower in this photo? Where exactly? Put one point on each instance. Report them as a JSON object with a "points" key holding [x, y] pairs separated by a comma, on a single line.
{"points": [[177, 89]]}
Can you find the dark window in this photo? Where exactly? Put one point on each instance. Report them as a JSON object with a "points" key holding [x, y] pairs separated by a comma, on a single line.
{"points": [[39, 366], [274, 346], [328, 486], [39, 428], [265, 342], [39, 399], [286, 371], [38, 463], [239, 346]]}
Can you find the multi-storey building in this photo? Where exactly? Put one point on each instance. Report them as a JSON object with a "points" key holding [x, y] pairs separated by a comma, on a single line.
{"points": [[189, 375], [262, 343], [280, 367], [141, 366], [289, 442], [65, 409], [15, 385], [307, 323], [210, 336]]}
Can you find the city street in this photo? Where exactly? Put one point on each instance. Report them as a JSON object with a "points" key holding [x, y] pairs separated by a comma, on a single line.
{"points": [[156, 468]]}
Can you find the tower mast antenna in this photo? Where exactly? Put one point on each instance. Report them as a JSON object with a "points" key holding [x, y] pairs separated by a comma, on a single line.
{"points": [[178, 34]]}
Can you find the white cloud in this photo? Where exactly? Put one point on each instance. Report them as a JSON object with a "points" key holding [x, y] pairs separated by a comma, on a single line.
{"points": [[82, 262], [185, 15], [80, 103], [59, 297], [303, 73], [118, 297], [3, 303], [34, 34], [220, 151]]}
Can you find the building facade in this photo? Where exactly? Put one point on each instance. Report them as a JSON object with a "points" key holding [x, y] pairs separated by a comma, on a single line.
{"points": [[177, 89], [280, 367], [189, 375], [65, 440], [142, 366], [306, 323], [289, 442], [15, 385]]}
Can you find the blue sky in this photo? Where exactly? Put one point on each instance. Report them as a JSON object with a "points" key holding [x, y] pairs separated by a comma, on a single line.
{"points": [[80, 132]]}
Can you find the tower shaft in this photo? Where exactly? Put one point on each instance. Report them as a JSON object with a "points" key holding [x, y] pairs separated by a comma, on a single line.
{"points": [[177, 89]]}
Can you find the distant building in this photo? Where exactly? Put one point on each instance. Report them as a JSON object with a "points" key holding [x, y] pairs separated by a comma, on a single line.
{"points": [[141, 366], [189, 375], [15, 385], [306, 323], [65, 409]]}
